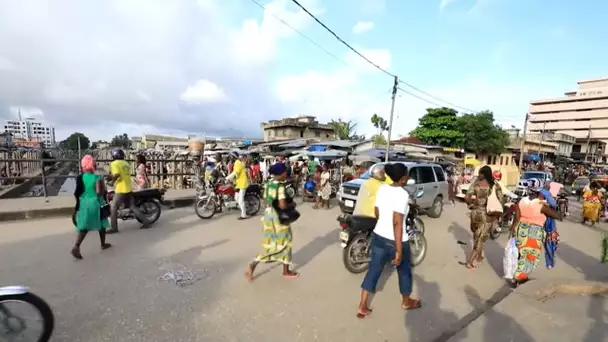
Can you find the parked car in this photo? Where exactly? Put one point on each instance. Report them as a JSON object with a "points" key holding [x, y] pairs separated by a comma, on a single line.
{"points": [[578, 185], [427, 177]]}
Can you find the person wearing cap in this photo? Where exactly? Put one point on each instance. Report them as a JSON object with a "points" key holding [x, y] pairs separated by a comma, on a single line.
{"points": [[366, 199], [239, 174]]}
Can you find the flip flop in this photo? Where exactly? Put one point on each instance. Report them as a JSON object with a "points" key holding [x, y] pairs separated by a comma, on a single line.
{"points": [[362, 315], [417, 305], [291, 276]]}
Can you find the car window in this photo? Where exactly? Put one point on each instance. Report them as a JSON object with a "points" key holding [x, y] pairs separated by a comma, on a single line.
{"points": [[439, 173], [426, 174], [415, 175]]}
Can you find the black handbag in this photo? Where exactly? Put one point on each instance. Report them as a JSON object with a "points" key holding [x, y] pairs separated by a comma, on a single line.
{"points": [[104, 211], [289, 214]]}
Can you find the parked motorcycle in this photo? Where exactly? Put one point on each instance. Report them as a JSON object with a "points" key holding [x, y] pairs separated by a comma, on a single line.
{"points": [[147, 200], [12, 326], [223, 196], [355, 238]]}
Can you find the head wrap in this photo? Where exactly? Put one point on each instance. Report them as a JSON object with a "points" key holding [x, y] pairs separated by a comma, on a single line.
{"points": [[88, 163], [278, 169]]}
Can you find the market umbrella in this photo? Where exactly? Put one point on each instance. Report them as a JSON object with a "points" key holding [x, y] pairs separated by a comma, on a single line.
{"points": [[472, 161]]}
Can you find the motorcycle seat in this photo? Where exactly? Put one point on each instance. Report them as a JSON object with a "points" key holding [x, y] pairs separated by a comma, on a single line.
{"points": [[150, 192], [361, 222]]}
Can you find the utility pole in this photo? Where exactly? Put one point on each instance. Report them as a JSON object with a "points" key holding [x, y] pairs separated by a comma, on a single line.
{"points": [[79, 155], [542, 138], [588, 142], [523, 142], [390, 121]]}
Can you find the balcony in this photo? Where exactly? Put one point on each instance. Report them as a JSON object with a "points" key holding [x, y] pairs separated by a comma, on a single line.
{"points": [[559, 137]]}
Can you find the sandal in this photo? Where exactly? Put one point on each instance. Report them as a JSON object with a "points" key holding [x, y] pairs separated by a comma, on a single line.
{"points": [[76, 253], [361, 314], [291, 275], [249, 274], [412, 305], [106, 246]]}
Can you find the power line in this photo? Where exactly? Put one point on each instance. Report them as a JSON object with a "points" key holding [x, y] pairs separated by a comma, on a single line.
{"points": [[437, 98], [377, 66], [342, 40], [334, 56]]}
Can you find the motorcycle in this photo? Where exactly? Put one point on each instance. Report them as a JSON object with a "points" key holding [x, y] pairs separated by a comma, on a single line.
{"points": [[506, 219], [562, 204], [355, 238], [147, 200], [223, 196], [11, 325]]}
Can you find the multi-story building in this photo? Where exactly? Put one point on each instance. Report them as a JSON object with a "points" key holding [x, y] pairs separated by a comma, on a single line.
{"points": [[31, 129], [305, 127], [581, 116]]}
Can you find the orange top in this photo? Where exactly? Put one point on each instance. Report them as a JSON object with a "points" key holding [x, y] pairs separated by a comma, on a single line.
{"points": [[530, 212]]}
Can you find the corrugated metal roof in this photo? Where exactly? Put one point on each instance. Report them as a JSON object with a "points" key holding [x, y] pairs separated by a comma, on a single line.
{"points": [[342, 143]]}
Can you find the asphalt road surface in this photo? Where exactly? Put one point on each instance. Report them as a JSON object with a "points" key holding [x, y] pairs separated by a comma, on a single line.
{"points": [[116, 295]]}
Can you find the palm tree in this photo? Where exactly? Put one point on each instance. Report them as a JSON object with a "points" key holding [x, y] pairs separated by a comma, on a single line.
{"points": [[344, 130]]}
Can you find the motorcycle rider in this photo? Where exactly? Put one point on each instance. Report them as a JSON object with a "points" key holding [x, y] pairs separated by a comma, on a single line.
{"points": [[120, 176], [497, 175], [366, 198], [239, 173]]}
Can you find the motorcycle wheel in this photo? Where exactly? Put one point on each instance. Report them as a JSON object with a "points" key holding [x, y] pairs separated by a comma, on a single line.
{"points": [[359, 244], [48, 320], [417, 249], [290, 192], [252, 205], [494, 233], [151, 209], [201, 205], [419, 225]]}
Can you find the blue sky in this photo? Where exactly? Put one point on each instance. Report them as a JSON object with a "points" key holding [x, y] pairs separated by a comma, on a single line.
{"points": [[220, 67]]}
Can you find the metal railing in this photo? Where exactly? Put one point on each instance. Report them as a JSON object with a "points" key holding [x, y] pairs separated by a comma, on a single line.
{"points": [[165, 173]]}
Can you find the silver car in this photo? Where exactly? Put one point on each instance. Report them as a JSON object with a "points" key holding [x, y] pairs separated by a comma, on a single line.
{"points": [[426, 176]]}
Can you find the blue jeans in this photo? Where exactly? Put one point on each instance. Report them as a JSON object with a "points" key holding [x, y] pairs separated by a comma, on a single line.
{"points": [[382, 253]]}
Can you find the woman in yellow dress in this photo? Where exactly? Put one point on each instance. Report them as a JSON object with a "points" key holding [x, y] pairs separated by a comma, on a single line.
{"points": [[592, 204]]}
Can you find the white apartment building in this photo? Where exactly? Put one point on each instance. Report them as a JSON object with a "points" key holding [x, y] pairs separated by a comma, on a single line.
{"points": [[581, 116], [31, 129]]}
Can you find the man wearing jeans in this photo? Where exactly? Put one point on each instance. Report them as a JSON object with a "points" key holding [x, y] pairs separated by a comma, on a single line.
{"points": [[239, 173], [120, 175]]}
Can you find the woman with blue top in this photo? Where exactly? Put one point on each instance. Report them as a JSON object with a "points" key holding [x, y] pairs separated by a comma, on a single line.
{"points": [[551, 235]]}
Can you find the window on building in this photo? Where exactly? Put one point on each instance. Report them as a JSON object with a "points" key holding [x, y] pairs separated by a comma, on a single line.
{"points": [[317, 134], [576, 148], [301, 134]]}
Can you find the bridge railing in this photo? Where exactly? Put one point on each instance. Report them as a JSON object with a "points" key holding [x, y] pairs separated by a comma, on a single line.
{"points": [[166, 173]]}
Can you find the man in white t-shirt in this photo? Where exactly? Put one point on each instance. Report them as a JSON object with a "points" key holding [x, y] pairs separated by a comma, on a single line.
{"points": [[390, 199]]}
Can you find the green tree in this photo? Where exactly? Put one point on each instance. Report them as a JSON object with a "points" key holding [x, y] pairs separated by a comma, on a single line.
{"points": [[379, 139], [439, 126], [380, 123], [481, 135], [345, 130], [71, 143], [122, 141]]}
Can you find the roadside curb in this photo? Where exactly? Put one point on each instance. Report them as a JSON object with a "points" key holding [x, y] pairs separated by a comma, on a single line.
{"points": [[28, 214]]}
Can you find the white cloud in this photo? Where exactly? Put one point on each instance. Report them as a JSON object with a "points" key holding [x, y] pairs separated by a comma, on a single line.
{"points": [[203, 91], [363, 26], [445, 3], [124, 63]]}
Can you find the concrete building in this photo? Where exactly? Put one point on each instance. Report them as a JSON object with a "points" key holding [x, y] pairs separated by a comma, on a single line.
{"points": [[6, 139], [581, 113], [302, 127], [548, 143], [31, 129]]}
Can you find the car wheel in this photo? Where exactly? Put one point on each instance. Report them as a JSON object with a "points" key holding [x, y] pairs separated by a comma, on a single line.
{"points": [[437, 208]]}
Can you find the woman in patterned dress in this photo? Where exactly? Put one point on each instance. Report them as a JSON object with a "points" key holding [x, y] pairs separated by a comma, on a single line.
{"points": [[277, 243], [528, 229], [481, 222], [592, 203]]}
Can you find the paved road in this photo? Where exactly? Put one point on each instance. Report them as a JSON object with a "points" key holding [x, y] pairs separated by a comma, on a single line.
{"points": [[115, 295]]}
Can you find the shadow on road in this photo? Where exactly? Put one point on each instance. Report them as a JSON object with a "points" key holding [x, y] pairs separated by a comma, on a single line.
{"points": [[594, 271], [428, 322], [493, 250]]}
